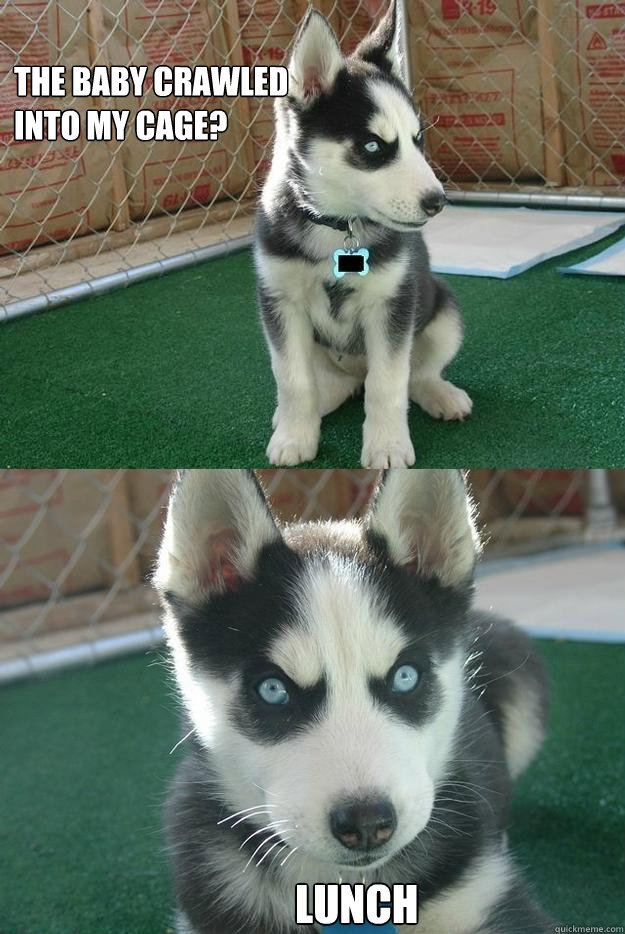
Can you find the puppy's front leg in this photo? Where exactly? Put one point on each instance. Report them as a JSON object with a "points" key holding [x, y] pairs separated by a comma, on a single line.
{"points": [[386, 439], [296, 421]]}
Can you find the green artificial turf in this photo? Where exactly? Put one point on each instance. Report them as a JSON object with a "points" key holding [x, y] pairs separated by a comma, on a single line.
{"points": [[174, 372], [85, 760]]}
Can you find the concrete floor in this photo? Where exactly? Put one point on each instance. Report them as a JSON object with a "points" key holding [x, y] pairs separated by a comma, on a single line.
{"points": [[576, 593]]}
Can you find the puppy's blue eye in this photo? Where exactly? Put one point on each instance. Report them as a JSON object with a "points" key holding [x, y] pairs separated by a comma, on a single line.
{"points": [[273, 691], [372, 146], [405, 679]]}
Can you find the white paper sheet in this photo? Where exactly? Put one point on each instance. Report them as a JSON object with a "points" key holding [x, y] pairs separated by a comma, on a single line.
{"points": [[610, 262], [502, 242], [572, 593]]}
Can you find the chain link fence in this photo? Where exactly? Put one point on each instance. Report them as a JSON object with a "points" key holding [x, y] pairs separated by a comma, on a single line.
{"points": [[77, 546], [523, 99]]}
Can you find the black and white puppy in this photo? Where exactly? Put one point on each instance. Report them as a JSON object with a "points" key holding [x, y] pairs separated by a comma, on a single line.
{"points": [[349, 145], [335, 680]]}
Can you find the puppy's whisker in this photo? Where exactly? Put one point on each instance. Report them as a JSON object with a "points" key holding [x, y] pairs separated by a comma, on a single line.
{"points": [[288, 856], [251, 817], [442, 809], [254, 807], [180, 742], [456, 830], [275, 855], [265, 855], [270, 826], [259, 847], [265, 790], [427, 124]]}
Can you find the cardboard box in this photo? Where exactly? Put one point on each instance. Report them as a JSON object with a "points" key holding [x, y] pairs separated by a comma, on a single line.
{"points": [[476, 75], [317, 494], [148, 496], [168, 175], [49, 191], [267, 29], [356, 19], [586, 50], [59, 524]]}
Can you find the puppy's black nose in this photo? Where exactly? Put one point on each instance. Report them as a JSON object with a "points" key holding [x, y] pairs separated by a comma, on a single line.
{"points": [[433, 202], [361, 825]]}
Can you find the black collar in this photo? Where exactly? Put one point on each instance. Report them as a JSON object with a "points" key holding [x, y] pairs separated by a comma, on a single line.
{"points": [[336, 223]]}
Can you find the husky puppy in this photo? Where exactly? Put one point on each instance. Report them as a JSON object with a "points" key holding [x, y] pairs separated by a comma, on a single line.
{"points": [[349, 150], [351, 718]]}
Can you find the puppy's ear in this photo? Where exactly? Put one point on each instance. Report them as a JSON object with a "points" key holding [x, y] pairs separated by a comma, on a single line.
{"points": [[217, 523], [315, 60], [426, 519], [381, 47]]}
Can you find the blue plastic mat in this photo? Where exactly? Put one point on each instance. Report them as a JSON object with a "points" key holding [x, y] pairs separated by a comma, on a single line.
{"points": [[610, 262]]}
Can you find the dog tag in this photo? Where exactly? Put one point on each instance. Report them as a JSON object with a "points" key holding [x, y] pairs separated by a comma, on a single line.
{"points": [[351, 261], [365, 928]]}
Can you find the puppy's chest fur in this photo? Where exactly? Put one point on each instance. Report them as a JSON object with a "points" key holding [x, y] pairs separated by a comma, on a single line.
{"points": [[341, 310], [462, 907]]}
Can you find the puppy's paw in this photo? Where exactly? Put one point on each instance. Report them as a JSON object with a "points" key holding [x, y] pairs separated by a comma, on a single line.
{"points": [[441, 399], [292, 443], [379, 449]]}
